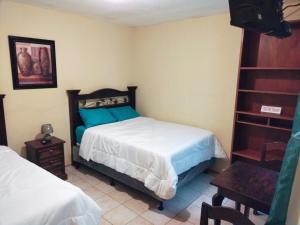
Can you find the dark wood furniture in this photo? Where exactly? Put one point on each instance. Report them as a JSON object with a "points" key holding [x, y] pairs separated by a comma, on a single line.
{"points": [[3, 136], [222, 213], [246, 184], [269, 74], [49, 156], [272, 155]]}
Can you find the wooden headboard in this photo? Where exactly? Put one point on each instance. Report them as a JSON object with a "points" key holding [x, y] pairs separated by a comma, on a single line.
{"points": [[101, 98], [3, 136]]}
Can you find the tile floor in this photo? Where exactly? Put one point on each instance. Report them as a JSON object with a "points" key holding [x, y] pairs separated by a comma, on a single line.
{"points": [[124, 206]]}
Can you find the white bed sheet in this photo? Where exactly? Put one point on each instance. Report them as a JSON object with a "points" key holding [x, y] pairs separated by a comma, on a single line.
{"points": [[30, 195], [151, 151]]}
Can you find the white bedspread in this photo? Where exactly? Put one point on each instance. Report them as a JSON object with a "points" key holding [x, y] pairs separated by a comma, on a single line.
{"points": [[151, 151], [30, 195]]}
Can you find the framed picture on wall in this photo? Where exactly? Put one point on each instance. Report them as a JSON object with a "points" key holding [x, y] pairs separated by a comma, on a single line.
{"points": [[32, 62]]}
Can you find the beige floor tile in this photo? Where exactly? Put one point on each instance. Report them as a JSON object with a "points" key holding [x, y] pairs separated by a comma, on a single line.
{"points": [[80, 173], [139, 221], [120, 196], [191, 214], [184, 209], [80, 183], [178, 222], [120, 215], [92, 179], [70, 170], [93, 193], [158, 217], [140, 205], [104, 187], [72, 178], [104, 222], [106, 203]]}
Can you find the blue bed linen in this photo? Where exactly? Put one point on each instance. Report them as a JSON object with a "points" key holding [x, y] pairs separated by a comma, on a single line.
{"points": [[123, 113], [95, 117], [190, 157], [79, 133]]}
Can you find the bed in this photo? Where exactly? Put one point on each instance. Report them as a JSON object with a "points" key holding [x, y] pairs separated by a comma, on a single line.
{"points": [[152, 156], [33, 196], [3, 136]]}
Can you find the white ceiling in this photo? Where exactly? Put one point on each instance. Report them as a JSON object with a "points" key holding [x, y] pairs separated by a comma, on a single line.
{"points": [[137, 12]]}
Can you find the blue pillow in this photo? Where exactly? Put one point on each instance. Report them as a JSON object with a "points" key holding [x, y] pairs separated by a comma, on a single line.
{"points": [[79, 133], [123, 113], [94, 117]]}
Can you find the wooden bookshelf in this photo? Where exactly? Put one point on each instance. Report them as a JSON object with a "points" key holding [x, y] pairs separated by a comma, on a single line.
{"points": [[269, 74]]}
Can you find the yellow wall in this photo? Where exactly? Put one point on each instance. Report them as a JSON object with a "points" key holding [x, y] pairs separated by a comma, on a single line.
{"points": [[90, 54], [187, 72]]}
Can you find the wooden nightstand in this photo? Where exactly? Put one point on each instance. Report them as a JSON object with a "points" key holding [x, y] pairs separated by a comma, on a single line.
{"points": [[49, 156]]}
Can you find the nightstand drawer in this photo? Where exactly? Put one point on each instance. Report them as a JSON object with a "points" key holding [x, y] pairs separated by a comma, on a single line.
{"points": [[51, 163], [49, 152]]}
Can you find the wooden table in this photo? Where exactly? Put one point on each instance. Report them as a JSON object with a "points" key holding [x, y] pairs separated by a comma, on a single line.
{"points": [[246, 184]]}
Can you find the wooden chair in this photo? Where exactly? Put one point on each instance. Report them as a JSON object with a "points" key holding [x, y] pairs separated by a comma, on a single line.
{"points": [[222, 213], [272, 155]]}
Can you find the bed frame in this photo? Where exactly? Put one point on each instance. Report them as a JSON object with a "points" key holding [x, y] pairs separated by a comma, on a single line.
{"points": [[113, 98], [3, 136]]}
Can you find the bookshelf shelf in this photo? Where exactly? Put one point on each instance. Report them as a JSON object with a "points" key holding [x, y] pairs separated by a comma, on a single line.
{"points": [[271, 68], [268, 92], [268, 75], [248, 154], [265, 115], [264, 126]]}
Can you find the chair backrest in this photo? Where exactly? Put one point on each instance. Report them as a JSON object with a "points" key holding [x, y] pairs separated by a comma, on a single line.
{"points": [[222, 213]]}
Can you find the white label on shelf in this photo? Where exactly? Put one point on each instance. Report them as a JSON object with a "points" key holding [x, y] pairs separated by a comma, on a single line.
{"points": [[271, 109]]}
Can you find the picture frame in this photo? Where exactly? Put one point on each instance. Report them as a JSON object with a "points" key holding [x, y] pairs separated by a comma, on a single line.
{"points": [[33, 63]]}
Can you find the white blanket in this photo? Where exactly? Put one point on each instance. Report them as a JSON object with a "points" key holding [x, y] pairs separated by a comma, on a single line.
{"points": [[30, 195], [151, 151]]}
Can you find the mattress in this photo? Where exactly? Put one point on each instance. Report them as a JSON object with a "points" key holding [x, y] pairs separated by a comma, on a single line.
{"points": [[30, 195], [151, 151]]}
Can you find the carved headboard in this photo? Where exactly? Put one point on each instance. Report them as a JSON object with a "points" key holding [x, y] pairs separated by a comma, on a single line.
{"points": [[3, 136], [101, 98]]}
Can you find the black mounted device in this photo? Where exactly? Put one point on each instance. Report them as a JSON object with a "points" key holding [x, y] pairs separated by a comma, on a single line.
{"points": [[263, 16]]}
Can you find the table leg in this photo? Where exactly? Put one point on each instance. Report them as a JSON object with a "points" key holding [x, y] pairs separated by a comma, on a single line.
{"points": [[217, 200]]}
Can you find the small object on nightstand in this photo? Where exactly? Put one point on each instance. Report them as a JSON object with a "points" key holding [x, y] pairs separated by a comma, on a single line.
{"points": [[47, 130], [49, 156]]}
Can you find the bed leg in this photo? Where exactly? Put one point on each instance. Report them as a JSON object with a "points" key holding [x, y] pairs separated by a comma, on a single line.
{"points": [[112, 182], [161, 206], [77, 166]]}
